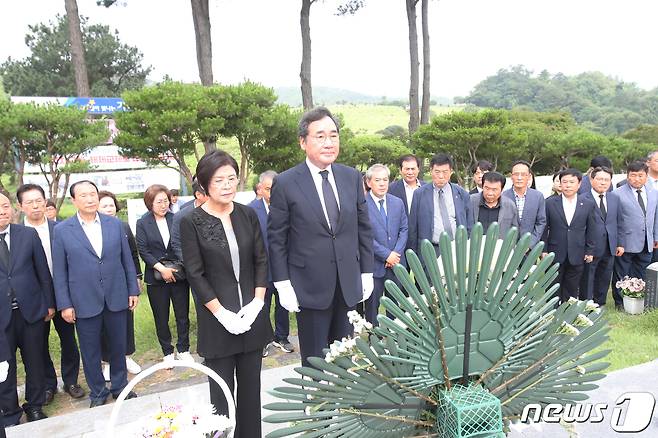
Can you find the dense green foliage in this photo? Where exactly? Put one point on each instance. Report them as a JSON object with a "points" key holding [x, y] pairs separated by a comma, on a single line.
{"points": [[595, 101], [112, 66]]}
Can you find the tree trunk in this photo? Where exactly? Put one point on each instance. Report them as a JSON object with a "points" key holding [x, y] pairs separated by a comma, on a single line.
{"points": [[244, 171], [184, 170], [425, 104], [305, 72], [77, 49], [413, 62], [201, 16], [57, 200]]}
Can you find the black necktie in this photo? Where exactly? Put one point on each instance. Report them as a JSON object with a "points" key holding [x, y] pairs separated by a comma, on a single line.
{"points": [[330, 202], [604, 213], [641, 201], [4, 250]]}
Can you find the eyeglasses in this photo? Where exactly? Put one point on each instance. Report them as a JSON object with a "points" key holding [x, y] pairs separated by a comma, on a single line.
{"points": [[231, 180], [162, 202], [322, 138], [32, 202]]}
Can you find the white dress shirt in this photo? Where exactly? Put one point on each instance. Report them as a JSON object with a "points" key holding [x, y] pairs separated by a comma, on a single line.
{"points": [[317, 180], [409, 193], [94, 233], [44, 234], [569, 207], [164, 230], [597, 199], [377, 199], [267, 206]]}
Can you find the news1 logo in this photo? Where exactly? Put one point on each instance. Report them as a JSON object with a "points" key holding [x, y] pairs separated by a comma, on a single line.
{"points": [[631, 417]]}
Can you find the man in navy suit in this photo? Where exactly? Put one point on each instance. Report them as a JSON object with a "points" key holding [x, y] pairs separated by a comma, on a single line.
{"points": [[597, 275], [281, 319], [95, 285], [390, 231], [529, 202], [320, 237], [571, 232], [32, 201], [438, 207], [26, 290], [404, 188], [639, 231]]}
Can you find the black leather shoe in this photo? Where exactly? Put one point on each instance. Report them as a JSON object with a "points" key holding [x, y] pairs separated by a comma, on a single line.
{"points": [[130, 395], [74, 391], [50, 395], [95, 403], [35, 414]]}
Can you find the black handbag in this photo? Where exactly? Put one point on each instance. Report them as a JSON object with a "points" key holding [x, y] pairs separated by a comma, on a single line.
{"points": [[175, 264]]}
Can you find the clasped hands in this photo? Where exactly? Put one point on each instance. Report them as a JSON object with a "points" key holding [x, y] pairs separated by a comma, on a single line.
{"points": [[238, 323]]}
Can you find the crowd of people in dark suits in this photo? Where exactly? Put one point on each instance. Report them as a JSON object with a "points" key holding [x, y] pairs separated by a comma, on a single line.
{"points": [[319, 240]]}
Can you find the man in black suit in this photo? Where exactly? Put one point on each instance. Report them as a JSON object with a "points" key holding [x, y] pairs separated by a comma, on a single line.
{"points": [[404, 188], [32, 201], [571, 232], [478, 169], [320, 237], [25, 287]]}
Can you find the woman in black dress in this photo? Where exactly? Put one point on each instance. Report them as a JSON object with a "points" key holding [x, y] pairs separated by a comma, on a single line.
{"points": [[226, 266]]}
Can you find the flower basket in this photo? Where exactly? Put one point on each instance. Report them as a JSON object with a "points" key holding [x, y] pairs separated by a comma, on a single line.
{"points": [[199, 421], [632, 290]]}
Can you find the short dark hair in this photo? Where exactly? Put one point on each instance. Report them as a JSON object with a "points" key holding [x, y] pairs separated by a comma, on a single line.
{"points": [[152, 191], [600, 169], [523, 162], [105, 194], [196, 187], [600, 161], [483, 165], [440, 159], [174, 192], [313, 115], [408, 157], [75, 184], [26, 188], [210, 162], [494, 177], [50, 203], [637, 166], [571, 172]]}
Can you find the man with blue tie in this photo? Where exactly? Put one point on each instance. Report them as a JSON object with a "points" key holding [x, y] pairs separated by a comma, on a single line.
{"points": [[598, 274], [571, 232], [639, 231], [438, 207], [529, 202], [27, 300], [95, 286], [320, 237], [281, 318], [390, 230]]}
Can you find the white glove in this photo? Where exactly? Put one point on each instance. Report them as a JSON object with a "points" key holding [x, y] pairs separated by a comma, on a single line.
{"points": [[287, 296], [367, 284], [4, 370], [249, 312], [231, 321]]}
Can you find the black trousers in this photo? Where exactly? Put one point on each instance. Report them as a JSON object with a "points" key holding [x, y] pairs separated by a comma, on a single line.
{"points": [[130, 339], [245, 369], [29, 338], [371, 308], [319, 328], [70, 355], [281, 319], [178, 294], [569, 278], [596, 278]]}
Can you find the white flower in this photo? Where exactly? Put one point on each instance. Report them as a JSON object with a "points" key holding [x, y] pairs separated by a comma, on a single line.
{"points": [[591, 306], [572, 300], [580, 369], [567, 329], [307, 410], [583, 321]]}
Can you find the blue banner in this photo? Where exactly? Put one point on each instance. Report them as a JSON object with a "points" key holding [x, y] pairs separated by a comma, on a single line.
{"points": [[96, 105]]}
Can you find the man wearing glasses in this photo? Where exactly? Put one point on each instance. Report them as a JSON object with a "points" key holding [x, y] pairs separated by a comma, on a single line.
{"points": [[320, 237], [438, 207]]}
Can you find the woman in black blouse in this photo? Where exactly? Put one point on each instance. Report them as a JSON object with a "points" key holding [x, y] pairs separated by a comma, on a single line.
{"points": [[226, 266]]}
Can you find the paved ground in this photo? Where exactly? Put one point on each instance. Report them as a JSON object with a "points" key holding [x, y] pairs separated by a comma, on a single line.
{"points": [[92, 422]]}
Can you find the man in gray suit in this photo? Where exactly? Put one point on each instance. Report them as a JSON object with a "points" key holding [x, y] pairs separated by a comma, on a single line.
{"points": [[637, 204], [489, 206], [529, 202]]}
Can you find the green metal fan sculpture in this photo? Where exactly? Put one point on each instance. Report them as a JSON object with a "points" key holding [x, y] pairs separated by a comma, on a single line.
{"points": [[475, 337]]}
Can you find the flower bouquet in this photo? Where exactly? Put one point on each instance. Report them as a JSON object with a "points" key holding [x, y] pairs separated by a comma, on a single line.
{"points": [[633, 291], [184, 421]]}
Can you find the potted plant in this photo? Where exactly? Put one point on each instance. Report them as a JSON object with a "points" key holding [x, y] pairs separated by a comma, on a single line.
{"points": [[633, 291]]}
